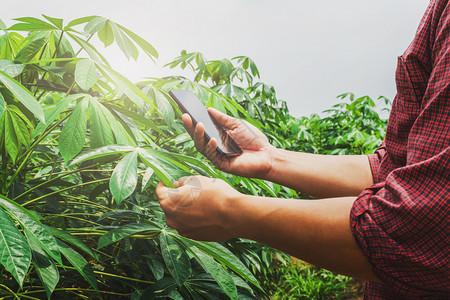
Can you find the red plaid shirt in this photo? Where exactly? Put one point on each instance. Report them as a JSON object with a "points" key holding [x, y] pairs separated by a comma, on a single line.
{"points": [[401, 222]]}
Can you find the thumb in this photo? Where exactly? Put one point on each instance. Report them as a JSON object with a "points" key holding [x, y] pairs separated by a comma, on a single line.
{"points": [[223, 119]]}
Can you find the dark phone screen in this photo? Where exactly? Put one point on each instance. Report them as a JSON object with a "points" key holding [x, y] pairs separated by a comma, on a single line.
{"points": [[190, 104]]}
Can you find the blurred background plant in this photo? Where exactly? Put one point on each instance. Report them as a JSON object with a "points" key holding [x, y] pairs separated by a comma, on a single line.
{"points": [[82, 149]]}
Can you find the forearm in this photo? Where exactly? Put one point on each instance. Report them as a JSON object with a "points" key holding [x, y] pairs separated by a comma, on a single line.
{"points": [[320, 176], [316, 231]]}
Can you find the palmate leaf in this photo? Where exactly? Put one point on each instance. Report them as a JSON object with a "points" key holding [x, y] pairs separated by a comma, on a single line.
{"points": [[153, 162], [124, 85], [2, 25], [73, 134], [2, 105], [55, 21], [31, 24], [19, 122], [80, 264], [44, 238], [161, 289], [12, 144], [44, 265], [101, 152], [89, 48], [223, 255], [164, 106], [176, 260], [148, 49], [106, 34], [15, 253], [73, 240], [101, 133], [85, 74], [78, 21], [51, 116], [220, 275], [34, 45], [124, 177], [125, 44], [124, 231], [94, 25], [11, 68], [23, 95]]}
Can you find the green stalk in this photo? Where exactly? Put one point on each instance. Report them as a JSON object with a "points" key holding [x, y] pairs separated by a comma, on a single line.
{"points": [[62, 190], [78, 199], [7, 288], [54, 178], [77, 289], [30, 150]]}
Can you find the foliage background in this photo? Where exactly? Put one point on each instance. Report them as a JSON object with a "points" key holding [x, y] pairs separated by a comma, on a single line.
{"points": [[83, 147]]}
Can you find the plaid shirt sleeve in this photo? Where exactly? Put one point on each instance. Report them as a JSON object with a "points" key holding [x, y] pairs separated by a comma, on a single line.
{"points": [[401, 222]]}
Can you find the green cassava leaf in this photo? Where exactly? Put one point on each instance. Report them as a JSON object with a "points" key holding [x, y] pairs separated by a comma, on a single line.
{"points": [[148, 49], [52, 115], [2, 105], [161, 289], [146, 178], [78, 22], [16, 254], [94, 25], [55, 21], [73, 134], [224, 256], [23, 95], [176, 260], [2, 26], [73, 240], [153, 162], [10, 68], [124, 177], [34, 45], [164, 107], [12, 144], [222, 277], [21, 125], [125, 44], [120, 133], [101, 152], [85, 74], [101, 133], [44, 238], [44, 265], [31, 24], [89, 48], [124, 231], [80, 264], [106, 34], [124, 85]]}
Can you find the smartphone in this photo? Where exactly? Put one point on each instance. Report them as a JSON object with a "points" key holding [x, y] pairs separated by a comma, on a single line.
{"points": [[190, 104]]}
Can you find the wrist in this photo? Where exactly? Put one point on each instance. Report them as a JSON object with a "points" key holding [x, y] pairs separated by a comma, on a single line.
{"points": [[234, 214], [273, 157]]}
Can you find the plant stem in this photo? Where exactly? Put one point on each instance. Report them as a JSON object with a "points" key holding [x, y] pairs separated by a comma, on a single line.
{"points": [[54, 178], [62, 190]]}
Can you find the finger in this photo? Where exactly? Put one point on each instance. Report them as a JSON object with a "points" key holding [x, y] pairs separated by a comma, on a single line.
{"points": [[199, 137], [182, 181], [161, 191], [211, 152], [187, 123], [223, 119]]}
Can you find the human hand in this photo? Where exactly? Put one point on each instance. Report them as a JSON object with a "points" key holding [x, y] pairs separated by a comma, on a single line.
{"points": [[256, 157], [197, 207]]}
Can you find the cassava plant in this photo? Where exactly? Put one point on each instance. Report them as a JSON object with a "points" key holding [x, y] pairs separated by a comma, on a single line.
{"points": [[82, 149]]}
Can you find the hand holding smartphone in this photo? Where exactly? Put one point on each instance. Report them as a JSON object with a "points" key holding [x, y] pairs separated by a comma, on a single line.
{"points": [[190, 104]]}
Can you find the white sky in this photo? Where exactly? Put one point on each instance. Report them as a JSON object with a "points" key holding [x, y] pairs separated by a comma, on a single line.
{"points": [[310, 51]]}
